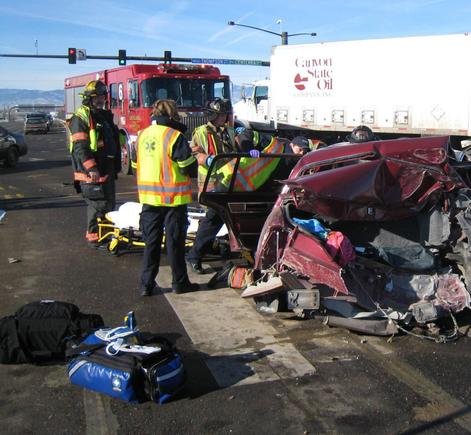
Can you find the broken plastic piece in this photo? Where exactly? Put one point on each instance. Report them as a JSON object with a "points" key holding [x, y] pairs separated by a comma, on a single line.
{"points": [[424, 312], [273, 285], [313, 226]]}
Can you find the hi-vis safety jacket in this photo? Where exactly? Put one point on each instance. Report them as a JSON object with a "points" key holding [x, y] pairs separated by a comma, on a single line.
{"points": [[206, 138], [159, 179], [87, 147], [253, 173]]}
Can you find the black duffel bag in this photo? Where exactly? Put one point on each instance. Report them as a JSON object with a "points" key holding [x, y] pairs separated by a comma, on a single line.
{"points": [[39, 331]]}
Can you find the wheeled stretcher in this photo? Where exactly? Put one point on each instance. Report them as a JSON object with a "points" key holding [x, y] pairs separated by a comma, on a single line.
{"points": [[120, 229]]}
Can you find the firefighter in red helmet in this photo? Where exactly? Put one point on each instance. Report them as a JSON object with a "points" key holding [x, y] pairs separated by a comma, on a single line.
{"points": [[96, 155]]}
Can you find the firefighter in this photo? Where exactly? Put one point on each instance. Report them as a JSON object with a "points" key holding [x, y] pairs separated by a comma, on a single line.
{"points": [[164, 160], [252, 172], [260, 175], [360, 134], [300, 145], [208, 140], [94, 144]]}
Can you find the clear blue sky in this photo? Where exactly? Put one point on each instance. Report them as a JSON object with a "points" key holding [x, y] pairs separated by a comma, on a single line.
{"points": [[198, 29]]}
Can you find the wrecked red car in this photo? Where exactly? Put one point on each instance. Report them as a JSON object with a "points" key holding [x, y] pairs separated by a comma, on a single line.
{"points": [[375, 235]]}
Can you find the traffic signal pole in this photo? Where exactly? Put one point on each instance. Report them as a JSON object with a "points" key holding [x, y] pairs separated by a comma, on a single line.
{"points": [[149, 59]]}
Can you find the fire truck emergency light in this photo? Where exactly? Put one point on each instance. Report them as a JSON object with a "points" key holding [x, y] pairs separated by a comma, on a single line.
{"points": [[122, 57], [72, 55]]}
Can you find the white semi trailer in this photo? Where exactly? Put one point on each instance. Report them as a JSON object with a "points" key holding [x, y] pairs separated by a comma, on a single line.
{"points": [[397, 86]]}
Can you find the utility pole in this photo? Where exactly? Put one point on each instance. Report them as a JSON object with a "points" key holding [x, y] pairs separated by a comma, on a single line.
{"points": [[284, 35]]}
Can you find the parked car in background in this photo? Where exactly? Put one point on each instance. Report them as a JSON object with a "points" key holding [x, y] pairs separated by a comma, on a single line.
{"points": [[12, 146], [37, 124], [43, 116]]}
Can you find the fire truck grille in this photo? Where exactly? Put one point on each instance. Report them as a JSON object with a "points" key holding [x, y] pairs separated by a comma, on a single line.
{"points": [[193, 120]]}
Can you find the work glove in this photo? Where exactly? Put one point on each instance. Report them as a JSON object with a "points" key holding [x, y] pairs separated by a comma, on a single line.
{"points": [[255, 154], [209, 159]]}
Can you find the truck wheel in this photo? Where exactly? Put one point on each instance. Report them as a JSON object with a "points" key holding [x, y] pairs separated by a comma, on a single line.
{"points": [[12, 157], [126, 168]]}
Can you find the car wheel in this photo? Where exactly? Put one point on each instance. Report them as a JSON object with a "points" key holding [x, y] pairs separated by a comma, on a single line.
{"points": [[12, 157]]}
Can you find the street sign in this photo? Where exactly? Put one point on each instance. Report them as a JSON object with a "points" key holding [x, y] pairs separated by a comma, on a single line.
{"points": [[81, 54], [229, 61]]}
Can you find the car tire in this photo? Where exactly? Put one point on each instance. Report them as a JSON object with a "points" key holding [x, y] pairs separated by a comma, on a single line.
{"points": [[12, 157]]}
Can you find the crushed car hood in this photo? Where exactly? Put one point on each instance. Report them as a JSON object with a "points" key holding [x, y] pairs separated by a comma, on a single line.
{"points": [[374, 181]]}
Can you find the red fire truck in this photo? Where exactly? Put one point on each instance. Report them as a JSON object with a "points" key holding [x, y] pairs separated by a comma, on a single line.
{"points": [[133, 89]]}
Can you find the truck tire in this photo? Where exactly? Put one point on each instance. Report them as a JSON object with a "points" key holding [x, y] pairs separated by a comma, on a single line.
{"points": [[126, 168], [12, 157]]}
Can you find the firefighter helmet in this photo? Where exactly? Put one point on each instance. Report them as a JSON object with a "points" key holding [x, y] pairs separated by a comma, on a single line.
{"points": [[94, 88], [362, 133], [219, 106]]}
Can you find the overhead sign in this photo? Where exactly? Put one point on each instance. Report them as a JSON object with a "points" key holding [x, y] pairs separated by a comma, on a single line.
{"points": [[81, 54], [230, 61]]}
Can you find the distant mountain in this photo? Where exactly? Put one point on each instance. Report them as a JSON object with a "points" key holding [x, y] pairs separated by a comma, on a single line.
{"points": [[12, 97]]}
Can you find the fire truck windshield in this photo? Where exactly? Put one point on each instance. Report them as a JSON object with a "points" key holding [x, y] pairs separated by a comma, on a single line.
{"points": [[188, 93]]}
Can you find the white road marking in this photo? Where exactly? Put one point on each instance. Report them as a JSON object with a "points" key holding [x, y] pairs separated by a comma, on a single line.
{"points": [[441, 401], [242, 346], [99, 419]]}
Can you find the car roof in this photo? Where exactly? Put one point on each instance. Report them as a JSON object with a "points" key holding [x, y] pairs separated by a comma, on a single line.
{"points": [[36, 118], [36, 115]]}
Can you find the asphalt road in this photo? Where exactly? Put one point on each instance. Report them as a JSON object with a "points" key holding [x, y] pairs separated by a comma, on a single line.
{"points": [[248, 373]]}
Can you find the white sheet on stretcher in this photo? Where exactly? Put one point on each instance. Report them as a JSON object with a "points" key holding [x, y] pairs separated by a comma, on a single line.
{"points": [[127, 216]]}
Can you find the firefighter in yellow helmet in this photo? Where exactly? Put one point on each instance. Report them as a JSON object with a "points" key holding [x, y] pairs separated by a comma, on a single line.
{"points": [[164, 160], [208, 140], [96, 155]]}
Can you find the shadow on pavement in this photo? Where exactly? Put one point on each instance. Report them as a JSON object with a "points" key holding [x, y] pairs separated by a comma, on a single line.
{"points": [[38, 202], [25, 166], [226, 370], [437, 422]]}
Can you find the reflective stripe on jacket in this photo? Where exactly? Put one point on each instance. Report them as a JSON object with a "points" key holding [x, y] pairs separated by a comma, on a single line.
{"points": [[253, 173], [208, 140], [159, 180], [83, 112]]}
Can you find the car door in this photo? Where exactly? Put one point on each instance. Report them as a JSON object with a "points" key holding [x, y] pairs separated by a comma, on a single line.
{"points": [[4, 141], [244, 213]]}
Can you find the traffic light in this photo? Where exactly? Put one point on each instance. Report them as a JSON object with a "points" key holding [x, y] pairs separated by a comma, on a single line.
{"points": [[72, 54], [122, 57], [167, 56]]}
